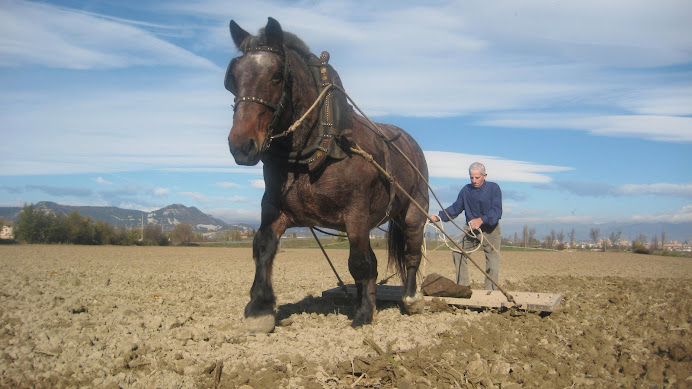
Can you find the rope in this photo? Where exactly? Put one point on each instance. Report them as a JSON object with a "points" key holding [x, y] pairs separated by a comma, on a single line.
{"points": [[357, 150], [468, 232], [482, 238], [298, 122]]}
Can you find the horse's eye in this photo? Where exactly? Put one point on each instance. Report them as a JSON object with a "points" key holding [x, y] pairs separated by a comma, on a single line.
{"points": [[277, 76]]}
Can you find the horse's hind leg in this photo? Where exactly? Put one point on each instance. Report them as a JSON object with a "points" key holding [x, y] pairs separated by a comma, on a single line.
{"points": [[362, 264], [413, 231], [260, 311]]}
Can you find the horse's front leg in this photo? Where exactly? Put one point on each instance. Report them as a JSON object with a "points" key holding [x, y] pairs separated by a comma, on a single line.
{"points": [[260, 314], [362, 264]]}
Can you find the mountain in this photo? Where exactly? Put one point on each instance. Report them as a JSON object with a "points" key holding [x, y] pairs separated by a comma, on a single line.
{"points": [[175, 214], [10, 213], [168, 217]]}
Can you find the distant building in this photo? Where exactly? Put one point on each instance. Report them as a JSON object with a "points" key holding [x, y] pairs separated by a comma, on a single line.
{"points": [[7, 232], [677, 246]]}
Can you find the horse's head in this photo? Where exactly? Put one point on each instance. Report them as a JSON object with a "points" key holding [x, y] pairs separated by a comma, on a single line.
{"points": [[260, 81]]}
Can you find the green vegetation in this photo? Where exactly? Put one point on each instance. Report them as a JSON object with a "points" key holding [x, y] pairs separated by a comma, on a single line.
{"points": [[38, 226], [668, 253]]}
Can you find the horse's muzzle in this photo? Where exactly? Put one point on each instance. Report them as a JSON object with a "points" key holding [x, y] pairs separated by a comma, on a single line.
{"points": [[246, 152]]}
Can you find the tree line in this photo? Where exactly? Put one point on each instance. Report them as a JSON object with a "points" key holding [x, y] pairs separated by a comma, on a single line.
{"points": [[36, 225], [558, 240]]}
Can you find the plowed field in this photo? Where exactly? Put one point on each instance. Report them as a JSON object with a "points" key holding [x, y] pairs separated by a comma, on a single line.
{"points": [[147, 317]]}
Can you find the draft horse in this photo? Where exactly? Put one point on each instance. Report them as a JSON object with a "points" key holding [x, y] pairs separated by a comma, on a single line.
{"points": [[312, 178]]}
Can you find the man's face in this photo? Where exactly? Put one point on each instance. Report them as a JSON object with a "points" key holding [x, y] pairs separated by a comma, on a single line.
{"points": [[477, 179]]}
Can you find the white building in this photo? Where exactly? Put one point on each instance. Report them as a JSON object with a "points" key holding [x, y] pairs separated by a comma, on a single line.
{"points": [[7, 232]]}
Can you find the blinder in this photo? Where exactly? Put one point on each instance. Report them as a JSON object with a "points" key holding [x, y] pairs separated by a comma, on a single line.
{"points": [[230, 84], [229, 80]]}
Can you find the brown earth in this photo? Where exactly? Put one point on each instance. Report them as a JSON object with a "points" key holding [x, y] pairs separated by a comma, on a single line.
{"points": [[147, 317]]}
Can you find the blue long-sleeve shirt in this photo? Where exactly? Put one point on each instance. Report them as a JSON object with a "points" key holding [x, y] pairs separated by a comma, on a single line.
{"points": [[484, 202]]}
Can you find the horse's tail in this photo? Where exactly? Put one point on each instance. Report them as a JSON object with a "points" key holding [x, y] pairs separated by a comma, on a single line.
{"points": [[396, 245]]}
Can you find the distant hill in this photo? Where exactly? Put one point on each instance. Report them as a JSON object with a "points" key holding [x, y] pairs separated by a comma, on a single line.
{"points": [[10, 213], [175, 214], [168, 217]]}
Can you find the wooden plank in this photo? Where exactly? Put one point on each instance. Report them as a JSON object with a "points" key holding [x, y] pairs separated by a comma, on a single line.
{"points": [[530, 301]]}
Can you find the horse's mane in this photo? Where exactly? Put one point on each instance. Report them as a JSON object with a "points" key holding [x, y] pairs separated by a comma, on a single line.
{"points": [[290, 40]]}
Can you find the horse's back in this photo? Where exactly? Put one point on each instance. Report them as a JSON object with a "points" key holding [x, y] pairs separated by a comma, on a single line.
{"points": [[394, 141]]}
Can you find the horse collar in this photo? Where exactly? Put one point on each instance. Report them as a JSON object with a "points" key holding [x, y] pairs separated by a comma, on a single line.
{"points": [[334, 127]]}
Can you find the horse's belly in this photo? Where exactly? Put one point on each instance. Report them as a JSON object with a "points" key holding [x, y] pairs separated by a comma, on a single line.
{"points": [[311, 210], [333, 203]]}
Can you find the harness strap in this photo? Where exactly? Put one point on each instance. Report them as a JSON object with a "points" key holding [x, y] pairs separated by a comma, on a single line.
{"points": [[334, 126]]}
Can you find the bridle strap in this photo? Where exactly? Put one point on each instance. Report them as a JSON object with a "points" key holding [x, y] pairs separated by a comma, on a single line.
{"points": [[256, 100], [277, 108]]}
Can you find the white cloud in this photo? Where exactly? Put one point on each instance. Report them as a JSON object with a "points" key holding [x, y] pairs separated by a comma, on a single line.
{"points": [[545, 219], [195, 196], [495, 61], [664, 189], [236, 169], [657, 128], [230, 215], [460, 57], [41, 34], [602, 190], [233, 199], [455, 165], [143, 127], [634, 33], [159, 192], [454, 58], [257, 184], [681, 215], [667, 101], [101, 181], [227, 185]]}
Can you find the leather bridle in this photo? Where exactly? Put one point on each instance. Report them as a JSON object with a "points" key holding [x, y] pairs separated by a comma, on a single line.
{"points": [[229, 83]]}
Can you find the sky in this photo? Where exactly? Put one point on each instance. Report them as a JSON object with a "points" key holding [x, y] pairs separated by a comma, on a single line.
{"points": [[581, 111]]}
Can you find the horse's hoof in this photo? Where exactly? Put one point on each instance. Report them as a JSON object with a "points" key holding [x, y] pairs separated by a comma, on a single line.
{"points": [[363, 319], [260, 324], [414, 304]]}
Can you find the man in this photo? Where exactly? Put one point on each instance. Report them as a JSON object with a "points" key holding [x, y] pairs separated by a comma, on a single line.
{"points": [[481, 201]]}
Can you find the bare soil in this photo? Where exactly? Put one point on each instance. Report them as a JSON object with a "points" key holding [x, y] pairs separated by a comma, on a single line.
{"points": [[148, 317]]}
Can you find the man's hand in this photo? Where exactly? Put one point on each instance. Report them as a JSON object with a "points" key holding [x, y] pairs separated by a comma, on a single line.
{"points": [[475, 223], [435, 218]]}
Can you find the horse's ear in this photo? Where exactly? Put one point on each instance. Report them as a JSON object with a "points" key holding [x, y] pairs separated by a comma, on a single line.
{"points": [[273, 33], [238, 34]]}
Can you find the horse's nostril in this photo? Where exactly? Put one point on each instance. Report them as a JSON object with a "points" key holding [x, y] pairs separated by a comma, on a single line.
{"points": [[250, 147]]}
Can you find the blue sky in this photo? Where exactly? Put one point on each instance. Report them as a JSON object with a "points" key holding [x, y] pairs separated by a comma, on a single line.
{"points": [[581, 111]]}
